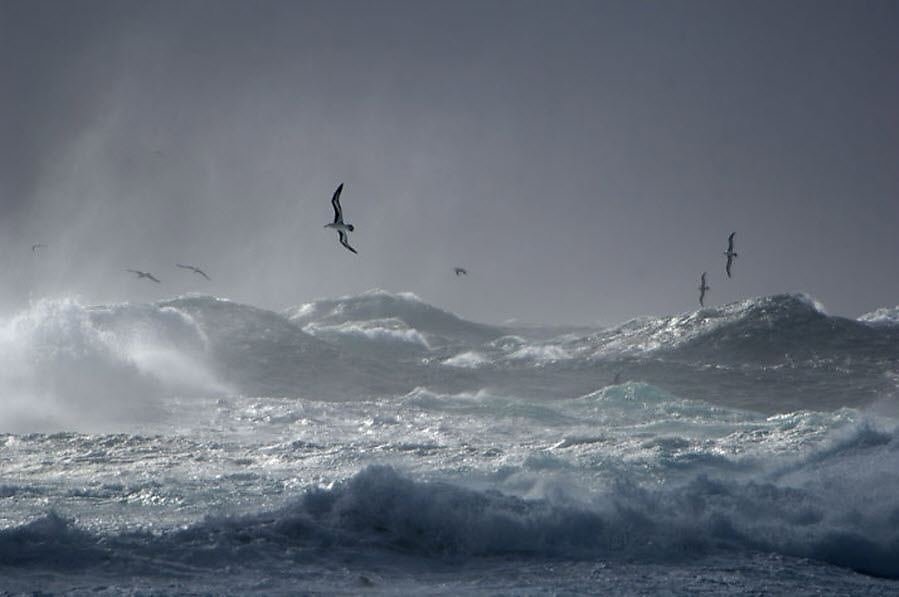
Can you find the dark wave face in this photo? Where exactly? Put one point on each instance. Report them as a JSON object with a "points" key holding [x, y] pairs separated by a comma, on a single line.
{"points": [[379, 512], [774, 354]]}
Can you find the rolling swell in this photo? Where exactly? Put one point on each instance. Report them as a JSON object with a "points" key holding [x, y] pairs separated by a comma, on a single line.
{"points": [[436, 325], [772, 354], [260, 352], [771, 329]]}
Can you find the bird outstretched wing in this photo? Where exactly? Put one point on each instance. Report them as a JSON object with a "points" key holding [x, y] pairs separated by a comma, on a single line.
{"points": [[335, 202], [344, 242], [194, 269]]}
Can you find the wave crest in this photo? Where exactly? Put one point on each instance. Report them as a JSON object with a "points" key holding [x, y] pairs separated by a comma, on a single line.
{"points": [[379, 508], [65, 364]]}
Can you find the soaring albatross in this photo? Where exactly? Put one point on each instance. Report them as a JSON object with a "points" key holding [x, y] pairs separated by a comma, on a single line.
{"points": [[141, 274], [730, 253], [338, 223], [194, 269], [703, 287]]}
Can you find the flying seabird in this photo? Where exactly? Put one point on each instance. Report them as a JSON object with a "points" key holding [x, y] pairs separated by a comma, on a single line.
{"points": [[702, 288], [731, 254], [461, 271], [141, 274], [37, 246], [194, 269], [338, 224]]}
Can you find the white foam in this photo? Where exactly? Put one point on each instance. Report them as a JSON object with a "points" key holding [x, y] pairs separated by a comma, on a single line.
{"points": [[882, 316], [467, 360], [378, 330], [540, 354]]}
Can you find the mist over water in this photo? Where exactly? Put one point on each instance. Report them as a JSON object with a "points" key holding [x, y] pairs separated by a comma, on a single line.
{"points": [[67, 366]]}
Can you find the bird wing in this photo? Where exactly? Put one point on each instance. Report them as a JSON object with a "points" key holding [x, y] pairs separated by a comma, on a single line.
{"points": [[194, 269], [152, 277], [730, 242], [335, 202], [134, 271], [730, 261], [343, 241]]}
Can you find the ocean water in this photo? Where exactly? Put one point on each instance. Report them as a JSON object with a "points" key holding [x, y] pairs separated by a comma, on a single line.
{"points": [[376, 444]]}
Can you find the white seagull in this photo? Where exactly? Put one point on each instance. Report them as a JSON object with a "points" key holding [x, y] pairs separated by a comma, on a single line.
{"points": [[141, 274], [731, 254], [338, 225], [702, 289], [194, 269]]}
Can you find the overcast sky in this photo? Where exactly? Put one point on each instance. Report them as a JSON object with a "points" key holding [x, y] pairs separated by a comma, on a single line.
{"points": [[585, 161]]}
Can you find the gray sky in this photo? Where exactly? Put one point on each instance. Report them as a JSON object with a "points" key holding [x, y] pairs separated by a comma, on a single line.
{"points": [[584, 160]]}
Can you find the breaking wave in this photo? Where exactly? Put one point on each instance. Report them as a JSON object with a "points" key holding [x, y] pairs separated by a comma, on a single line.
{"points": [[882, 316], [62, 363], [432, 323], [771, 354], [824, 506]]}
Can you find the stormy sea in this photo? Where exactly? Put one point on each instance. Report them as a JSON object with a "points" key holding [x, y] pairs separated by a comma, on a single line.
{"points": [[378, 444]]}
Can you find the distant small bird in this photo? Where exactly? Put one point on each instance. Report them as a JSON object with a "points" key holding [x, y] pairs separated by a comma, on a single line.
{"points": [[702, 289], [141, 274], [37, 246], [461, 271], [617, 380], [195, 270], [731, 254], [338, 224]]}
